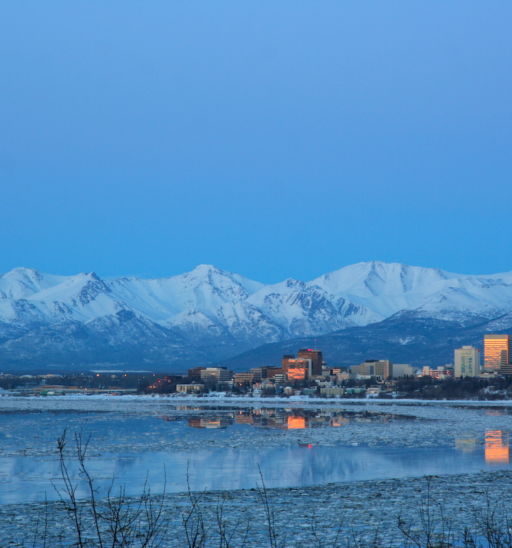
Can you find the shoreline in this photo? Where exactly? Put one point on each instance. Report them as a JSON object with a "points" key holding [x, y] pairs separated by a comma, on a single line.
{"points": [[252, 400]]}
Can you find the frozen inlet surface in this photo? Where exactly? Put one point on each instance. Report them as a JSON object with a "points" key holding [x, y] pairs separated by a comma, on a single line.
{"points": [[224, 443]]}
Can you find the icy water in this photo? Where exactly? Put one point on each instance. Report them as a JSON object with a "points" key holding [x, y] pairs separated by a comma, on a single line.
{"points": [[228, 446]]}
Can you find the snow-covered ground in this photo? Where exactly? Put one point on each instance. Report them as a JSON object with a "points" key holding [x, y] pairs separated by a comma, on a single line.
{"points": [[360, 514]]}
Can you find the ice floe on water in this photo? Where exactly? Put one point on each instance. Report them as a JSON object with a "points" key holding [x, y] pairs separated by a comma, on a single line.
{"points": [[310, 451], [136, 423]]}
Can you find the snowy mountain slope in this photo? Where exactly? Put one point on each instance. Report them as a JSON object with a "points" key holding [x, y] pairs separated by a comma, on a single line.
{"points": [[210, 314], [205, 288], [387, 288], [302, 308], [27, 296]]}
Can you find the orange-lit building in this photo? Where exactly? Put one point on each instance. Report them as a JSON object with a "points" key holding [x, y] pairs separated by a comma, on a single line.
{"points": [[496, 351], [286, 360], [297, 369], [298, 373], [497, 449]]}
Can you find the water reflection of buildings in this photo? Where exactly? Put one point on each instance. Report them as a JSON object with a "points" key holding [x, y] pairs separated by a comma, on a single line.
{"points": [[495, 412], [209, 422], [279, 418], [339, 421], [466, 444], [497, 449]]}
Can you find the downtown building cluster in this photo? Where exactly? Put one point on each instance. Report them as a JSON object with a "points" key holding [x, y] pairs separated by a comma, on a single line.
{"points": [[303, 368], [467, 359], [308, 374], [305, 373]]}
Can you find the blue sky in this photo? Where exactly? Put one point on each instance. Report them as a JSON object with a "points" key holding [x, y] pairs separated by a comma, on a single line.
{"points": [[269, 138]]}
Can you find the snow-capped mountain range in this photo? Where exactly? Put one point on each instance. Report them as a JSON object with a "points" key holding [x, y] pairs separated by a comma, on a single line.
{"points": [[208, 314]]}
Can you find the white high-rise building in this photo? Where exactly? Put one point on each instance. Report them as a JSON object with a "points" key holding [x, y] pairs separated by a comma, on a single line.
{"points": [[467, 362]]}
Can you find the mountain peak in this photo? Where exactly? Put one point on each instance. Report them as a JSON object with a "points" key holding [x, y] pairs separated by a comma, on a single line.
{"points": [[21, 271], [22, 282], [206, 269], [88, 276], [207, 273]]}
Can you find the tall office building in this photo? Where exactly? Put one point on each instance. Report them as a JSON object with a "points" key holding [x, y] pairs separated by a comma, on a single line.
{"points": [[316, 359], [297, 369], [496, 351], [467, 362]]}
